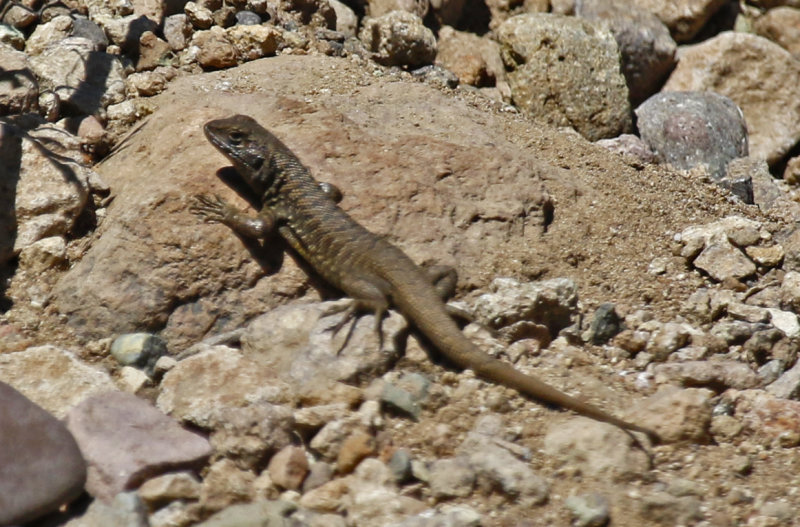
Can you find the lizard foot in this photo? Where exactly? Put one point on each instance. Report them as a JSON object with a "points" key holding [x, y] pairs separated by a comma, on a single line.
{"points": [[351, 315], [211, 209]]}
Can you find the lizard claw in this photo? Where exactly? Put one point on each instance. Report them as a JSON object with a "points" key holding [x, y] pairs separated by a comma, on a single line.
{"points": [[353, 313], [211, 209], [349, 315]]}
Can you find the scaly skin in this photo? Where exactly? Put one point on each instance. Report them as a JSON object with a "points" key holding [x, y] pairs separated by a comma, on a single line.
{"points": [[366, 267]]}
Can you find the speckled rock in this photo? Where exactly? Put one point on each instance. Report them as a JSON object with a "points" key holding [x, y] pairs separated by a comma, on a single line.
{"points": [[49, 33], [768, 418], [45, 203], [376, 8], [689, 129], [398, 38], [574, 80], [297, 342], [215, 50], [595, 448], [198, 389], [631, 146]]}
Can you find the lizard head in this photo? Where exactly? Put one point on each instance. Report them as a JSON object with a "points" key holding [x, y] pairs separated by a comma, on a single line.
{"points": [[245, 143]]}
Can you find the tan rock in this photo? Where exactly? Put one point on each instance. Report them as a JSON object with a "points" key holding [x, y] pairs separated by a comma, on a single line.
{"points": [[328, 496], [398, 38], [224, 484], [684, 18], [216, 51], [48, 33], [288, 468], [355, 448], [22, 95], [152, 51], [376, 8], [782, 26], [677, 415], [199, 388], [346, 19], [53, 378], [594, 448], [169, 487], [253, 41], [565, 71], [152, 254], [771, 256], [475, 60], [791, 174]]}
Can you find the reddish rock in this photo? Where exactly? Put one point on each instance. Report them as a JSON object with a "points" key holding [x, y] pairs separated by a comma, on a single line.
{"points": [[126, 441]]}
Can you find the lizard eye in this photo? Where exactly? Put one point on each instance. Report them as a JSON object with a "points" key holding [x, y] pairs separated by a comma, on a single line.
{"points": [[236, 137]]}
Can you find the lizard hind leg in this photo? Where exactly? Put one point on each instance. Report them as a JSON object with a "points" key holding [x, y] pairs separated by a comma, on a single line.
{"points": [[444, 279], [369, 295]]}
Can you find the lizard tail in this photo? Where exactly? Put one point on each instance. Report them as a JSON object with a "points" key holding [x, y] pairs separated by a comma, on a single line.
{"points": [[437, 325]]}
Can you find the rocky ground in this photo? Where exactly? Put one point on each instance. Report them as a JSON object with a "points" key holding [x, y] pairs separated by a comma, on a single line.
{"points": [[614, 182]]}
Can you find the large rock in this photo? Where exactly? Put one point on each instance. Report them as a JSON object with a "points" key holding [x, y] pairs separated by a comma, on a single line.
{"points": [[20, 95], [41, 467], [126, 441], [205, 388], [152, 254], [49, 193], [298, 344], [85, 80], [647, 50], [565, 71], [689, 129], [732, 64]]}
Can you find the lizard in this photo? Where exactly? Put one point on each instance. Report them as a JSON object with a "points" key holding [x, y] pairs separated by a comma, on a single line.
{"points": [[366, 267]]}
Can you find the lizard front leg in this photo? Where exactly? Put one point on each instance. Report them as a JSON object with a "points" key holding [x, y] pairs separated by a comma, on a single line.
{"points": [[214, 209]]}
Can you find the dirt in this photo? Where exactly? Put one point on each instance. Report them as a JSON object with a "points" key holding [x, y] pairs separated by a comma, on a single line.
{"points": [[612, 217]]}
